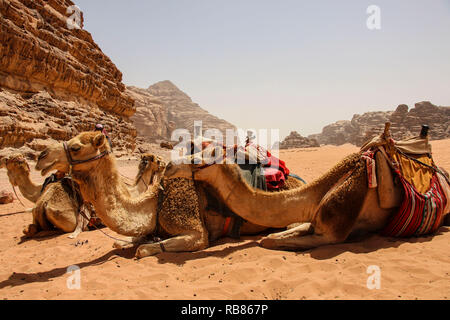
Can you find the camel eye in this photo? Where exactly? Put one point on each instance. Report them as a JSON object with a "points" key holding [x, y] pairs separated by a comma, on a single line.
{"points": [[75, 148], [43, 154]]}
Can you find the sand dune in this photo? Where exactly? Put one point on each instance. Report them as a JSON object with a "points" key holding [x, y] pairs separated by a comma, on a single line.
{"points": [[417, 268]]}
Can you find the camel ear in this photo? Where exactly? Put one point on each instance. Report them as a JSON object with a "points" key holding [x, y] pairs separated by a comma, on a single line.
{"points": [[99, 140]]}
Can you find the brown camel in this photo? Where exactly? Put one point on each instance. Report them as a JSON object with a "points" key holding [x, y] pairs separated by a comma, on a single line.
{"points": [[180, 219], [54, 207], [330, 209], [215, 221]]}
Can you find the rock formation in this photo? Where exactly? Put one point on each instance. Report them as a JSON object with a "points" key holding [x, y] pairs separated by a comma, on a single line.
{"points": [[54, 80], [182, 111], [163, 108], [295, 140], [404, 124], [6, 197], [151, 117]]}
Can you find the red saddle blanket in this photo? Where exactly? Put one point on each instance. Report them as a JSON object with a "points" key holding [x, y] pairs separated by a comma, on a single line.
{"points": [[419, 214], [275, 170]]}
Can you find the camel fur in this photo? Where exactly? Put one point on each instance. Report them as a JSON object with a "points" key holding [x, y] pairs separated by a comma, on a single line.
{"points": [[177, 213]]}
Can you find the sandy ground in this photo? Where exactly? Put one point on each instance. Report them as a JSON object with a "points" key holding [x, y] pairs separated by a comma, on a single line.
{"points": [[417, 268]]}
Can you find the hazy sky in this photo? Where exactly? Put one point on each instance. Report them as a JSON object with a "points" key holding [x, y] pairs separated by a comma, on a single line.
{"points": [[286, 64]]}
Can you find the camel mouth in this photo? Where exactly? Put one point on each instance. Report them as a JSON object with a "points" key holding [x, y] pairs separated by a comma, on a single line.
{"points": [[47, 169]]}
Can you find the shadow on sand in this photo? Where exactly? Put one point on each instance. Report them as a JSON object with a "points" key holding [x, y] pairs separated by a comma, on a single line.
{"points": [[368, 243], [359, 245]]}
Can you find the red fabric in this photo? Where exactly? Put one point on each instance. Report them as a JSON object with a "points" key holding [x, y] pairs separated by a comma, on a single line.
{"points": [[275, 170], [419, 214]]}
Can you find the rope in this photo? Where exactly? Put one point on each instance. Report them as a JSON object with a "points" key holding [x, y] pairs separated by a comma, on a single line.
{"points": [[18, 197], [13, 213], [434, 167]]}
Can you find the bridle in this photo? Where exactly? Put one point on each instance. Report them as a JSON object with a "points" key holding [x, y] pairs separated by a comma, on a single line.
{"points": [[75, 162]]}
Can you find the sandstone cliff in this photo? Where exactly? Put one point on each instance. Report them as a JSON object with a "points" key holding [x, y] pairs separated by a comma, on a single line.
{"points": [[405, 123], [163, 108], [295, 140], [56, 81]]}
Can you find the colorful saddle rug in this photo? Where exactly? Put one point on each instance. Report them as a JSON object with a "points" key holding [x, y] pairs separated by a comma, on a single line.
{"points": [[419, 214], [274, 170]]}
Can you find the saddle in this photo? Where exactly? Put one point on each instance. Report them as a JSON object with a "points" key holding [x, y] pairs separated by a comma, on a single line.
{"points": [[407, 178]]}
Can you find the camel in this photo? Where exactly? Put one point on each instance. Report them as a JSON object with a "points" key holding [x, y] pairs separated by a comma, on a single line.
{"points": [[178, 216], [55, 207], [329, 210], [215, 220]]}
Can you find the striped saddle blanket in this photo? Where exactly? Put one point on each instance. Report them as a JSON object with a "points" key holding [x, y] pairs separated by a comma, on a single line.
{"points": [[419, 214]]}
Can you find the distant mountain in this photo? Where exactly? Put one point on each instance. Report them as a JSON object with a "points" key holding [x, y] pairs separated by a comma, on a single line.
{"points": [[405, 123], [295, 140], [163, 108]]}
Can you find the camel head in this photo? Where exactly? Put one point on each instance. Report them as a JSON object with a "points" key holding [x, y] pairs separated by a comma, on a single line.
{"points": [[83, 147], [174, 170], [149, 165], [16, 166], [200, 164]]}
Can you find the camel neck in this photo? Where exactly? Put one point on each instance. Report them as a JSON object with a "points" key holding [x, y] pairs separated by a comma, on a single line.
{"points": [[113, 204], [272, 209], [29, 190]]}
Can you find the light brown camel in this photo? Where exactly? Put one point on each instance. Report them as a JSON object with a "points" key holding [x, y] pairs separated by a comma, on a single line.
{"points": [[179, 219], [53, 208], [213, 212], [330, 209]]}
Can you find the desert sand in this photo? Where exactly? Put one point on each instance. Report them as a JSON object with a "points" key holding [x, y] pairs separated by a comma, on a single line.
{"points": [[416, 268]]}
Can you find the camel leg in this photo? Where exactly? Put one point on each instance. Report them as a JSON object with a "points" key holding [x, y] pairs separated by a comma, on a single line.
{"points": [[191, 241], [297, 243], [294, 231], [129, 242], [31, 230], [79, 228], [334, 221]]}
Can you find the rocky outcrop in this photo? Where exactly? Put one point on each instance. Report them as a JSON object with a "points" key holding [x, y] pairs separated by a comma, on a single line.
{"points": [[405, 123], [182, 111], [56, 81], [163, 108], [151, 117], [39, 52], [38, 120], [295, 140], [6, 197]]}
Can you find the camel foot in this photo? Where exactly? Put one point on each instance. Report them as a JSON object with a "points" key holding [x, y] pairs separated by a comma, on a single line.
{"points": [[122, 245], [74, 234], [294, 230], [130, 242], [146, 250], [296, 243], [31, 230]]}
